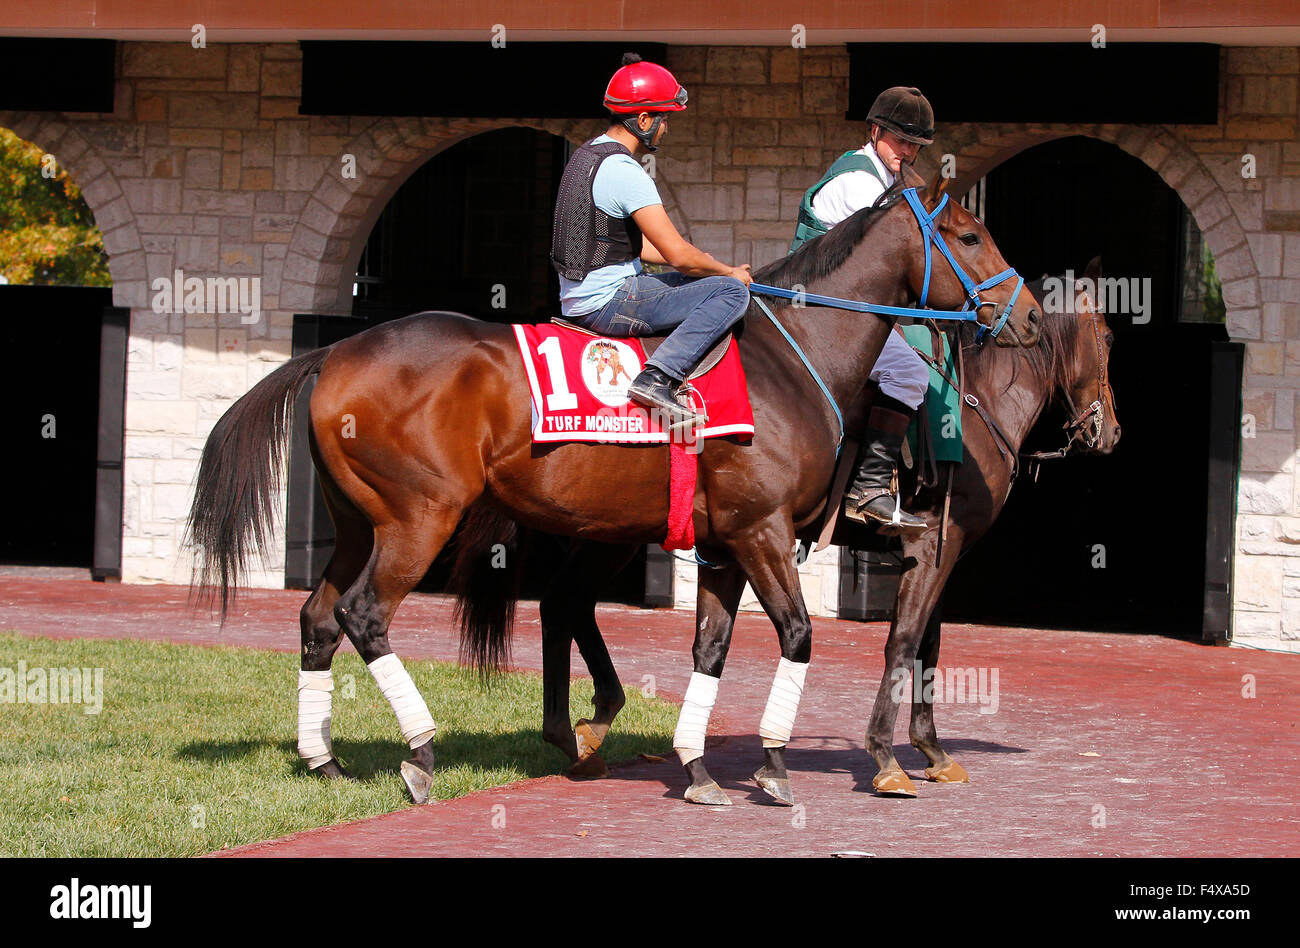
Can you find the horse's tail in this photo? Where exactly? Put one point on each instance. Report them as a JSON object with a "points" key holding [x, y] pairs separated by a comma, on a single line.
{"points": [[239, 479], [485, 581]]}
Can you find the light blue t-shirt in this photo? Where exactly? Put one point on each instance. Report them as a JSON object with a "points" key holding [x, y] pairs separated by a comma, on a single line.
{"points": [[621, 187]]}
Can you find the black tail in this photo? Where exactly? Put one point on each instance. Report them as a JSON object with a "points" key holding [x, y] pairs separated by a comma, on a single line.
{"points": [[239, 479], [485, 581]]}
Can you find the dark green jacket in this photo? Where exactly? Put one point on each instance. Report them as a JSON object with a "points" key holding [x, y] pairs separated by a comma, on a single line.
{"points": [[809, 225]]}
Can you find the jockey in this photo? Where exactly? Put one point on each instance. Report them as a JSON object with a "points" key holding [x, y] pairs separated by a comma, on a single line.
{"points": [[899, 123], [609, 219]]}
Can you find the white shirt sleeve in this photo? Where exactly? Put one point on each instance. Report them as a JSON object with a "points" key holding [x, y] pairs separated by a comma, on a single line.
{"points": [[845, 194]]}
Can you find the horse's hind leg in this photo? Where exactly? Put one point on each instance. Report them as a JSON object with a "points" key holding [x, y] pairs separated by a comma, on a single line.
{"points": [[402, 554], [943, 768], [321, 635], [568, 612]]}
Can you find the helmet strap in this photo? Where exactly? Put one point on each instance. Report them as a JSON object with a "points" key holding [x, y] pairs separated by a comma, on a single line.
{"points": [[647, 137]]}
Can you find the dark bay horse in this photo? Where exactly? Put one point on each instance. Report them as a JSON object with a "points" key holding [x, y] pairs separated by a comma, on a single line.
{"points": [[422, 425], [1069, 364]]}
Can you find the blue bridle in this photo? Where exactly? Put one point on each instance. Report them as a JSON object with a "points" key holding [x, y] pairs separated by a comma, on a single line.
{"points": [[930, 234]]}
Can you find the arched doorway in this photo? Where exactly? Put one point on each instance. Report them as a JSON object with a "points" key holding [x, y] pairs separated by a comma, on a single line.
{"points": [[66, 348], [1120, 542], [468, 231]]}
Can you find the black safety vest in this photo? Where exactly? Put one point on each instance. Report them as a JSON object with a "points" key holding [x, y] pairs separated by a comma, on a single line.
{"points": [[584, 237]]}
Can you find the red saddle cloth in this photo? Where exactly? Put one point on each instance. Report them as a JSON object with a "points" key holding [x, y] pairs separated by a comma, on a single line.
{"points": [[579, 385]]}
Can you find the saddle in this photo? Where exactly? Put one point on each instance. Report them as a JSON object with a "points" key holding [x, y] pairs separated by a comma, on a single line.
{"points": [[651, 343]]}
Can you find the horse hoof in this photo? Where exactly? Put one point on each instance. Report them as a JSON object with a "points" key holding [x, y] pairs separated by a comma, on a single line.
{"points": [[778, 788], [418, 780], [894, 783], [587, 739], [589, 768], [333, 770], [707, 794], [951, 772]]}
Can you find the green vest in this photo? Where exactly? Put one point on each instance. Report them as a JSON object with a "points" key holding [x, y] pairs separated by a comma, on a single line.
{"points": [[809, 225]]}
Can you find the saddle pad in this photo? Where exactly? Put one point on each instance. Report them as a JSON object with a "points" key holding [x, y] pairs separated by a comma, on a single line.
{"points": [[579, 388], [942, 401]]}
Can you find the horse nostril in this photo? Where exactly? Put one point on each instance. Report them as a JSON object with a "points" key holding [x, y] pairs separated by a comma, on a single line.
{"points": [[1116, 440]]}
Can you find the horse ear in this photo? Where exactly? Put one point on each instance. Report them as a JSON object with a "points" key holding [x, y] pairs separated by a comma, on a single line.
{"points": [[934, 193], [1093, 271]]}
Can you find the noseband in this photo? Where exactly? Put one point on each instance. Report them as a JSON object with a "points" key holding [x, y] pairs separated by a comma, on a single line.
{"points": [[1084, 426]]}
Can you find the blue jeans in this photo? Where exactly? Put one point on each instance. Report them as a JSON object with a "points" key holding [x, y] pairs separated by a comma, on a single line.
{"points": [[698, 311]]}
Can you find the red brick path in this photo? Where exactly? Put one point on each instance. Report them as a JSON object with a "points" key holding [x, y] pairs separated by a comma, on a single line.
{"points": [[1187, 766]]}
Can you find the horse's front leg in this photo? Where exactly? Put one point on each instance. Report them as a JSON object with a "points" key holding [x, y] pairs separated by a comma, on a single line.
{"points": [[918, 592], [942, 769], [769, 564], [717, 599]]}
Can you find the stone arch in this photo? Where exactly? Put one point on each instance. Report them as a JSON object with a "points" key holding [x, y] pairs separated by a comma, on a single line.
{"points": [[332, 229], [1211, 186], [102, 192]]}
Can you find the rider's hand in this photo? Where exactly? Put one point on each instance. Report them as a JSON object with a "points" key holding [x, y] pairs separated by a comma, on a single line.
{"points": [[742, 274]]}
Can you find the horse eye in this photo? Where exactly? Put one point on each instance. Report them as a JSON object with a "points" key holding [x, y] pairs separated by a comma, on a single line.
{"points": [[970, 240], [1110, 339]]}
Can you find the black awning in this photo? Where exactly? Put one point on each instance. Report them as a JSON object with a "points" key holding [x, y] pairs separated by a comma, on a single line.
{"points": [[1122, 83], [462, 80]]}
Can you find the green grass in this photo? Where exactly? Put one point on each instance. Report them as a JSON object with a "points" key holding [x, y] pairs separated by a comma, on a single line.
{"points": [[195, 748]]}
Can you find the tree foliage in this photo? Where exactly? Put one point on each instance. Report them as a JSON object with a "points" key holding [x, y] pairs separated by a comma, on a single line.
{"points": [[47, 233]]}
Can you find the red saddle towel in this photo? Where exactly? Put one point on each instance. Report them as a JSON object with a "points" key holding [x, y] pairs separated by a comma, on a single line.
{"points": [[579, 388]]}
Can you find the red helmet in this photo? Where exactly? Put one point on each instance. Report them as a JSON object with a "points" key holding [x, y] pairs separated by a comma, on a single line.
{"points": [[644, 87]]}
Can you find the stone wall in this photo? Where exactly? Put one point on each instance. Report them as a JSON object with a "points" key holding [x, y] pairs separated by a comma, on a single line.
{"points": [[205, 165]]}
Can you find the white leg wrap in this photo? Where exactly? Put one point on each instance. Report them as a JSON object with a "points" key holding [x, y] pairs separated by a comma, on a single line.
{"points": [[694, 720], [314, 706], [782, 703], [413, 715]]}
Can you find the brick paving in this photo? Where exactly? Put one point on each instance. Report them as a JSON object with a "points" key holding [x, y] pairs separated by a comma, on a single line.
{"points": [[1152, 735]]}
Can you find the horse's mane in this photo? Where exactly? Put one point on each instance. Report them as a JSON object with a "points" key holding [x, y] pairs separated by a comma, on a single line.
{"points": [[1049, 360], [824, 255]]}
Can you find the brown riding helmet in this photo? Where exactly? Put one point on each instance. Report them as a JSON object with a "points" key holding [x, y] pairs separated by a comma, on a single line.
{"points": [[906, 113]]}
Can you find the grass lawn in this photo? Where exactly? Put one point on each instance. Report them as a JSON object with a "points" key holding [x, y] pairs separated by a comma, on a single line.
{"points": [[195, 749]]}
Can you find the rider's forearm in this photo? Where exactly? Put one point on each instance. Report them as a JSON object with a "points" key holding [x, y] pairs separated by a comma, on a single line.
{"points": [[696, 262]]}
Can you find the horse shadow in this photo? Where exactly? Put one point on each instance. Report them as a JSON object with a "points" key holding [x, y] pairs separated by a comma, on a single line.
{"points": [[523, 751], [733, 759]]}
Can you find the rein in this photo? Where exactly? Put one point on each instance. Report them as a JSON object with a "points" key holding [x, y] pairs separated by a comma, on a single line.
{"points": [[970, 309]]}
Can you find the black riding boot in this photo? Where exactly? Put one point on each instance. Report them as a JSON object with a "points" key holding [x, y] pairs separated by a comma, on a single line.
{"points": [[871, 496], [657, 389]]}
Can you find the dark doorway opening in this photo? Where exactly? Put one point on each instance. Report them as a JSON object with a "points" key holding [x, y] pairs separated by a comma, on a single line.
{"points": [[1142, 512], [51, 337], [470, 231]]}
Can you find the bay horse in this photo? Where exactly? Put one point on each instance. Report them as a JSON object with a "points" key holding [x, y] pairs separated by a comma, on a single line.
{"points": [[422, 425], [1069, 364]]}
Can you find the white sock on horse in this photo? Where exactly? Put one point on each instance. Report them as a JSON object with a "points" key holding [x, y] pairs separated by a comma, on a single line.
{"points": [[693, 723], [782, 703], [413, 715], [314, 707]]}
